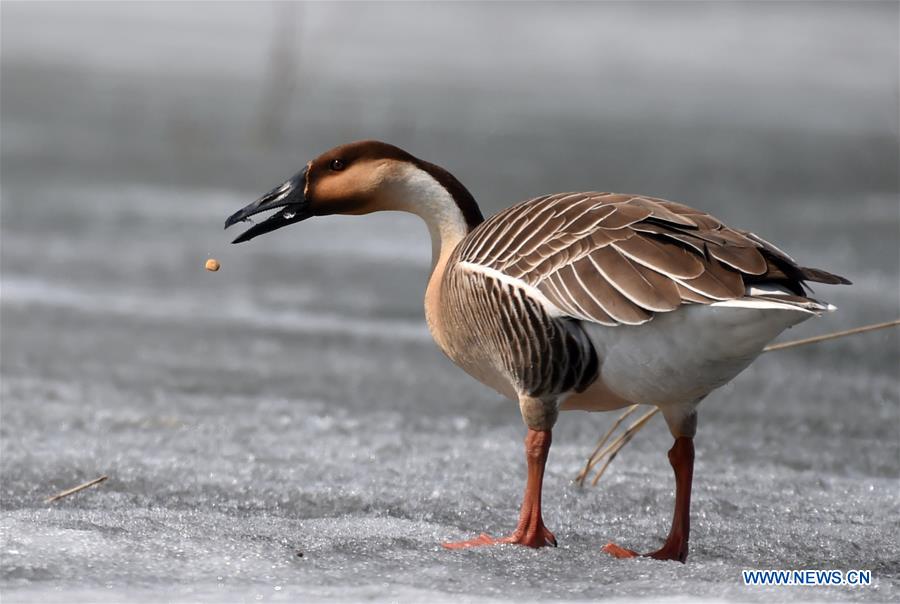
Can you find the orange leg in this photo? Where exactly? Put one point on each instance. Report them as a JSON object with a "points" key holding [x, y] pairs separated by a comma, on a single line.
{"points": [[530, 530], [681, 456]]}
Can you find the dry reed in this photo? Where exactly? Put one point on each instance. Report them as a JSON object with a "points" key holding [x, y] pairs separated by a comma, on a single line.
{"points": [[74, 490]]}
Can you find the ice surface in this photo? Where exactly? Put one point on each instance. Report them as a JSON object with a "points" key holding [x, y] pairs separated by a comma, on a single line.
{"points": [[243, 419], [294, 402]]}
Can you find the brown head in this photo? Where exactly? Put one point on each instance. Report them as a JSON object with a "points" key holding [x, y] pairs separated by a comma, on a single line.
{"points": [[360, 178]]}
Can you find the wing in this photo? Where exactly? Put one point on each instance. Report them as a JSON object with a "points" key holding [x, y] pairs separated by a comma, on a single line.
{"points": [[618, 259]]}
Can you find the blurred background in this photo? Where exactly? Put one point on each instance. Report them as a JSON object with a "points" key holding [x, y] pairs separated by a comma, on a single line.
{"points": [[294, 400]]}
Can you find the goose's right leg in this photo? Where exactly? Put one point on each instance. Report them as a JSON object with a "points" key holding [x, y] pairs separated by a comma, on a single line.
{"points": [[531, 530]]}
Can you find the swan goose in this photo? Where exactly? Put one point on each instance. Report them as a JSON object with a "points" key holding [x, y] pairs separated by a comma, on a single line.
{"points": [[590, 301]]}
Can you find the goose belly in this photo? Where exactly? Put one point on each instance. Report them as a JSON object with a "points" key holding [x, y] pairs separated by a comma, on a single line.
{"points": [[681, 356]]}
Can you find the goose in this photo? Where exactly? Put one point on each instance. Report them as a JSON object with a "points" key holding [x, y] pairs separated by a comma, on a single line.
{"points": [[572, 301]]}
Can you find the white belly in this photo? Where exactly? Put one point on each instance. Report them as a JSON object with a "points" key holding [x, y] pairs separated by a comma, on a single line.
{"points": [[681, 356]]}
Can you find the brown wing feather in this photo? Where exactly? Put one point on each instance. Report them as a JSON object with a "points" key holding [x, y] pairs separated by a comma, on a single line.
{"points": [[690, 296], [717, 281], [626, 214], [601, 292], [624, 275], [679, 237], [743, 259], [618, 259], [662, 256], [659, 211]]}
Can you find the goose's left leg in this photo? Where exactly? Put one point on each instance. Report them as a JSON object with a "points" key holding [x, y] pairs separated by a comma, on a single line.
{"points": [[531, 530], [681, 456]]}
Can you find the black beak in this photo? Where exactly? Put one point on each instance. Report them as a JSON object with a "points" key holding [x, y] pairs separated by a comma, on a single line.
{"points": [[289, 195]]}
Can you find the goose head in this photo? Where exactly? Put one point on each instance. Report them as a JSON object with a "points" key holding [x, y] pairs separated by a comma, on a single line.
{"points": [[360, 178]]}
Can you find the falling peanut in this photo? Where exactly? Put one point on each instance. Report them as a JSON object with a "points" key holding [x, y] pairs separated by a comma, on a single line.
{"points": [[212, 265]]}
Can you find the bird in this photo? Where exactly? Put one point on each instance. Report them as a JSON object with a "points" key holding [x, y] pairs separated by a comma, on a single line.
{"points": [[571, 301]]}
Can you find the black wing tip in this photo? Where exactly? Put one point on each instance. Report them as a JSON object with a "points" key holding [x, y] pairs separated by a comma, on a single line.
{"points": [[819, 276]]}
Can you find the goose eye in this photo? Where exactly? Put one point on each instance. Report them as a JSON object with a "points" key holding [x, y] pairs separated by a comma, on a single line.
{"points": [[337, 165]]}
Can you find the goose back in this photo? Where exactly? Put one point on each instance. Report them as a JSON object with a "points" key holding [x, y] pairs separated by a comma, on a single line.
{"points": [[618, 259]]}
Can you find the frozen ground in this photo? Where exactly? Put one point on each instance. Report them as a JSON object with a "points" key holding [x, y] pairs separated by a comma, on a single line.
{"points": [[293, 402], [242, 419]]}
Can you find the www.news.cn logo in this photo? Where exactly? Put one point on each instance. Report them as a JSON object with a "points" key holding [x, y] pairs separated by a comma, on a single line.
{"points": [[807, 577]]}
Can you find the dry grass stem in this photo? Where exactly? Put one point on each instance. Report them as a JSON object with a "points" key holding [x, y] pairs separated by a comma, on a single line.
{"points": [[74, 490], [832, 336], [593, 458], [613, 449]]}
